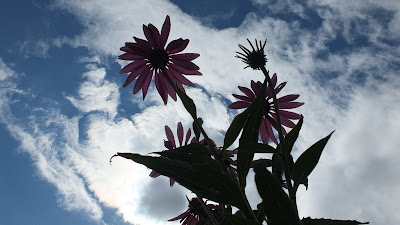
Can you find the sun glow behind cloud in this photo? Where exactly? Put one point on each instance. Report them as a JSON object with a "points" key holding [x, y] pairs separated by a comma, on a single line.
{"points": [[351, 90]]}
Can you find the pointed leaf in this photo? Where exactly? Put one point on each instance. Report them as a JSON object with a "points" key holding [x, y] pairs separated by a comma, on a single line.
{"points": [[250, 135], [322, 221], [264, 162], [256, 147], [187, 102], [200, 178], [236, 126], [277, 206], [291, 137], [196, 129], [307, 161]]}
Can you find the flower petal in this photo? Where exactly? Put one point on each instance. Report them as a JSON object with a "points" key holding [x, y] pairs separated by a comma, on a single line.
{"points": [[129, 56], [143, 43], [161, 87], [239, 105], [290, 105], [179, 77], [132, 76], [263, 132], [137, 49], [154, 174], [280, 87], [180, 133], [243, 98], [184, 71], [140, 81], [247, 92], [177, 45], [165, 31], [188, 134], [271, 134], [287, 98], [146, 83], [155, 34], [185, 56], [171, 182], [185, 64], [170, 135], [131, 67], [289, 115], [149, 37], [256, 87]]}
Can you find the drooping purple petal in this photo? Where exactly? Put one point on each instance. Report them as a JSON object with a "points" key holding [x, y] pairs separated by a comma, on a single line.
{"points": [[247, 92], [183, 215], [239, 105], [243, 98], [188, 134], [289, 115], [129, 56], [263, 132], [186, 56], [171, 182], [185, 64], [280, 87], [140, 81], [165, 31], [183, 70], [132, 76], [154, 174], [179, 77], [177, 45], [170, 135], [290, 105], [168, 145], [287, 98], [179, 131], [133, 66], [146, 83], [270, 133], [161, 87], [137, 49]]}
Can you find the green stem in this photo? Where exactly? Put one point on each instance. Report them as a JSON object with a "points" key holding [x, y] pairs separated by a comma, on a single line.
{"points": [[213, 149], [209, 213], [285, 154]]}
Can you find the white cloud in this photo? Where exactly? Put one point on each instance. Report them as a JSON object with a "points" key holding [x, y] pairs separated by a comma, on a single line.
{"points": [[97, 94]]}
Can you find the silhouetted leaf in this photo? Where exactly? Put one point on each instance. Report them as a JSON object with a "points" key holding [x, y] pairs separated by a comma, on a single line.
{"points": [[322, 221], [236, 126], [196, 129], [307, 161], [277, 206], [250, 135], [257, 147], [291, 137], [264, 162], [209, 182], [187, 102]]}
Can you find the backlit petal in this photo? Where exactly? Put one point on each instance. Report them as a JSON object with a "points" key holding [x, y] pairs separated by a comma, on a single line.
{"points": [[177, 45], [165, 31]]}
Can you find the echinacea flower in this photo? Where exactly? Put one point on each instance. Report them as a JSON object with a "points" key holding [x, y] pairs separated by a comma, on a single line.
{"points": [[269, 117], [151, 57], [194, 213], [170, 144], [254, 59]]}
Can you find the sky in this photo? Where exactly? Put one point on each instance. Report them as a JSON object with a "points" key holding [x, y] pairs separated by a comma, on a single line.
{"points": [[64, 113]]}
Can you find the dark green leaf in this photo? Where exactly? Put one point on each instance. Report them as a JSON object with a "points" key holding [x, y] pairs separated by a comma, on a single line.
{"points": [[265, 162], [187, 102], [256, 147], [196, 129], [236, 220], [291, 137], [322, 221], [279, 209], [307, 161], [277, 166], [200, 178], [236, 126], [250, 135]]}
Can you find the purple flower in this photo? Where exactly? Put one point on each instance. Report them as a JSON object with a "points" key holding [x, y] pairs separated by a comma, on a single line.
{"points": [[170, 144], [269, 118], [151, 56], [192, 215]]}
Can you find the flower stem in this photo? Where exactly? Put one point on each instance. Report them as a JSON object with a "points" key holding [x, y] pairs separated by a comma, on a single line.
{"points": [[285, 154], [214, 150], [209, 213]]}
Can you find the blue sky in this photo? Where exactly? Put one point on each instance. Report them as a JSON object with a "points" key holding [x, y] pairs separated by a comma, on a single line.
{"points": [[63, 111]]}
